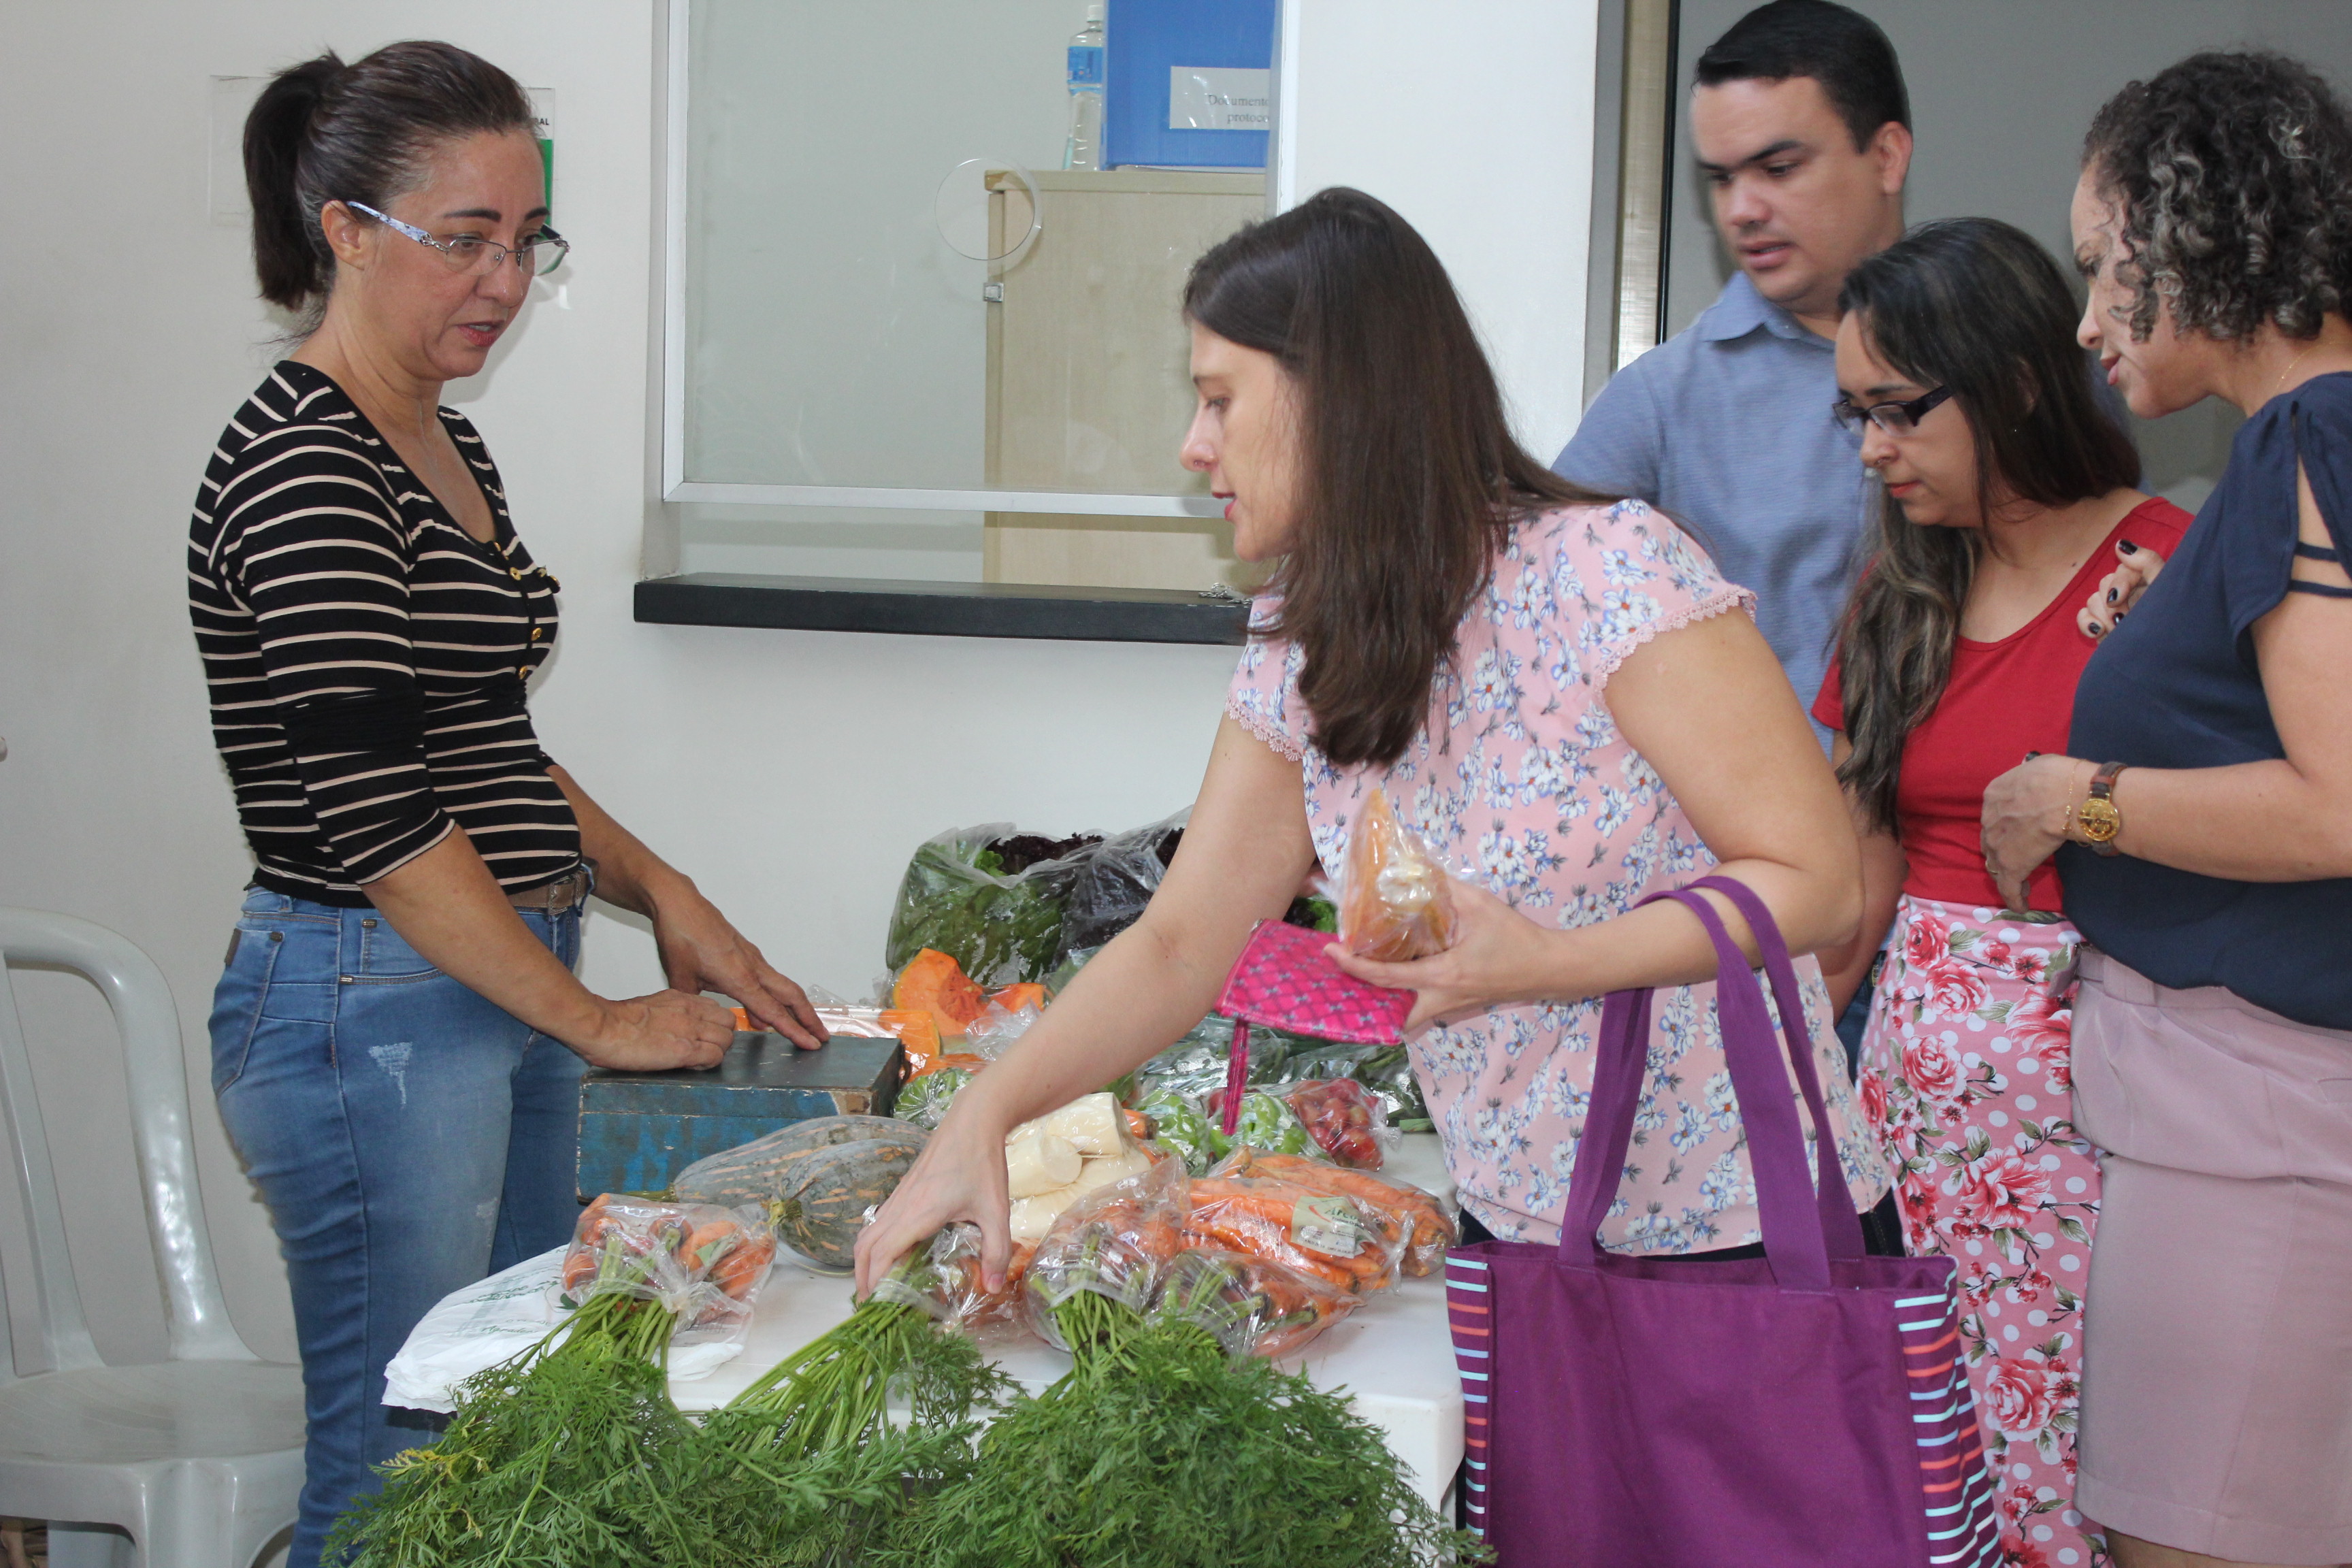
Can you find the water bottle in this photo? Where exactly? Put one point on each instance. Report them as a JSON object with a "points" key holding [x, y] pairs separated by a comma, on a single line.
{"points": [[1085, 77]]}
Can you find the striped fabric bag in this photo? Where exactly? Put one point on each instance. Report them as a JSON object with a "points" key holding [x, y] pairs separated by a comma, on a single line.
{"points": [[1807, 1409]]}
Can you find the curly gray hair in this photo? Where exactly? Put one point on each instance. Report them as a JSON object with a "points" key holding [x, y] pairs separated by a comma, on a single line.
{"points": [[2230, 171]]}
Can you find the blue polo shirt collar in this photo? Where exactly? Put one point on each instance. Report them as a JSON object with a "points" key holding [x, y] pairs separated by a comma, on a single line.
{"points": [[1739, 309]]}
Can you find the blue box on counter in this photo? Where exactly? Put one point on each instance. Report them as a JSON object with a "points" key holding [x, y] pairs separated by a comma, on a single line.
{"points": [[639, 1129], [1189, 83]]}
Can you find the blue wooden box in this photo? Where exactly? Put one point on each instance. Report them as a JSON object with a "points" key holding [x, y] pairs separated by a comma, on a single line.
{"points": [[639, 1129]]}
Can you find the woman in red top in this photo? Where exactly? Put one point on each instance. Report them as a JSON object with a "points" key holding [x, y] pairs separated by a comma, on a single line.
{"points": [[2009, 495]]}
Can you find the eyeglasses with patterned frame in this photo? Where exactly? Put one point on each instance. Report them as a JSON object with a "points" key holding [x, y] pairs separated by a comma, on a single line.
{"points": [[1894, 419], [538, 256]]}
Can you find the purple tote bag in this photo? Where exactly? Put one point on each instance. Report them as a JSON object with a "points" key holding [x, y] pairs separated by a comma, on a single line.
{"points": [[1808, 1409]]}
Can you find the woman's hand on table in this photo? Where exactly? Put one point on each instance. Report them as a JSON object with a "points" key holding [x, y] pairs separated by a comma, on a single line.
{"points": [[701, 951], [654, 1034], [1498, 956], [2027, 811], [959, 1175]]}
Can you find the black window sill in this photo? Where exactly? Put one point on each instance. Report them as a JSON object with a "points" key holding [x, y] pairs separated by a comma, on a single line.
{"points": [[941, 609]]}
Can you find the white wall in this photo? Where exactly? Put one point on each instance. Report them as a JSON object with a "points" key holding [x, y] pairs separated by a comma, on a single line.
{"points": [[1476, 123], [790, 773]]}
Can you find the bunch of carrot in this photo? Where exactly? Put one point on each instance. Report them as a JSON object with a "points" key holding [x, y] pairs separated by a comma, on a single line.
{"points": [[706, 1262], [1428, 1230], [1327, 1237], [571, 1451]]}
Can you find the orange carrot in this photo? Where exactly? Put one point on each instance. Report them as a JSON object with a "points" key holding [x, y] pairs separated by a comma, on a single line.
{"points": [[742, 1268]]}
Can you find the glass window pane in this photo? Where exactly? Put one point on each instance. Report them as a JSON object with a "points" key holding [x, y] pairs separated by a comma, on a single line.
{"points": [[837, 155]]}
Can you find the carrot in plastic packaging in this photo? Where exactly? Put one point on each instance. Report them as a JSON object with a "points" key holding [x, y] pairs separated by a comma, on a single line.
{"points": [[1328, 1236], [1430, 1229], [1397, 903]]}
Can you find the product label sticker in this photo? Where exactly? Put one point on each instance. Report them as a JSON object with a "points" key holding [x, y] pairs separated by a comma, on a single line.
{"points": [[1328, 1224], [1220, 98]]}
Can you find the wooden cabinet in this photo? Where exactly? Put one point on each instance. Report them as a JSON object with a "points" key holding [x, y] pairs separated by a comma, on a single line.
{"points": [[1089, 386]]}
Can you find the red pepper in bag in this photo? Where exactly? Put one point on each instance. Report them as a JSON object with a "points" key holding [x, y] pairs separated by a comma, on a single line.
{"points": [[1343, 1118]]}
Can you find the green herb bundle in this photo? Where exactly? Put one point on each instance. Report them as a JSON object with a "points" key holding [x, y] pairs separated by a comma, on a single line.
{"points": [[1001, 923], [569, 1454], [1160, 1451], [833, 1393]]}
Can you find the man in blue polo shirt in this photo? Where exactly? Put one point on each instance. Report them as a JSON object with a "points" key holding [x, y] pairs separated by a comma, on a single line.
{"points": [[1801, 128]]}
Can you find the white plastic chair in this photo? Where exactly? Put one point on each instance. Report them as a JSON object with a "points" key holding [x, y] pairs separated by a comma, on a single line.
{"points": [[198, 1458]]}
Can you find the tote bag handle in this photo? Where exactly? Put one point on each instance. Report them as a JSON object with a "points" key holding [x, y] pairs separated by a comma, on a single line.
{"points": [[1798, 1246], [1840, 1226]]}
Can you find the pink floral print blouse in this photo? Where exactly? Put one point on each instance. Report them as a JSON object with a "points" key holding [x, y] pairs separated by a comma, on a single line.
{"points": [[1520, 780]]}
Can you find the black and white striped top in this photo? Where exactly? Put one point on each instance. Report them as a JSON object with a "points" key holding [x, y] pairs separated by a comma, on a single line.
{"points": [[366, 657]]}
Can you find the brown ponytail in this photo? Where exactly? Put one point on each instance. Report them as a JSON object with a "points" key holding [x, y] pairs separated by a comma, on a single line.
{"points": [[323, 131]]}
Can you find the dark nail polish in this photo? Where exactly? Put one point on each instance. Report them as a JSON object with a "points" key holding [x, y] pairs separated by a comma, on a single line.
{"points": [[2113, 595], [2119, 617], [2098, 631], [2127, 547]]}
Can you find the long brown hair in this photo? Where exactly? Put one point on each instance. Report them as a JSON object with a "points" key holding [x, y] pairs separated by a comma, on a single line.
{"points": [[1975, 305], [1408, 477]]}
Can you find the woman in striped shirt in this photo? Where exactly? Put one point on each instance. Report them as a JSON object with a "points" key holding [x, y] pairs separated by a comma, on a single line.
{"points": [[398, 1035]]}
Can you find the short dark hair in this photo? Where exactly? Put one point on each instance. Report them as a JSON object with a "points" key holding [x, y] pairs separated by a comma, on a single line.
{"points": [[325, 131], [2231, 170], [1975, 305], [1843, 50], [1409, 479]]}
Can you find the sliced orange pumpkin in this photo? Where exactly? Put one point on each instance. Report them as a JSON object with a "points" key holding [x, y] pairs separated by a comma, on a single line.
{"points": [[934, 982], [918, 1031], [1013, 998]]}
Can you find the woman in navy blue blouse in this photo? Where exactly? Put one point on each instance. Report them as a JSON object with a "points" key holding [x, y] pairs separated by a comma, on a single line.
{"points": [[2204, 831]]}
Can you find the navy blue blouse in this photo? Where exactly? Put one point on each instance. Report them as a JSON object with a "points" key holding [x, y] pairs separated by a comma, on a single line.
{"points": [[2176, 686]]}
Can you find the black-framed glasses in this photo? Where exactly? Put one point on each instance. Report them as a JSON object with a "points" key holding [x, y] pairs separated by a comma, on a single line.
{"points": [[1894, 419], [538, 256]]}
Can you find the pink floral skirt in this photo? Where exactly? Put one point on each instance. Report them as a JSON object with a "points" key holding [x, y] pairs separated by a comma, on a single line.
{"points": [[1966, 1071]]}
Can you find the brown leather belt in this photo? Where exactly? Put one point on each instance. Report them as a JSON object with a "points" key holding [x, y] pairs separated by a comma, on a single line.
{"points": [[565, 893]]}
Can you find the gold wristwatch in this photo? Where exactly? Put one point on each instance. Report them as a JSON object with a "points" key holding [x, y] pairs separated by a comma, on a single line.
{"points": [[2096, 818]]}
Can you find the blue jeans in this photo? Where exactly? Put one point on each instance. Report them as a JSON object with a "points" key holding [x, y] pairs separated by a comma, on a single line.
{"points": [[409, 1138]]}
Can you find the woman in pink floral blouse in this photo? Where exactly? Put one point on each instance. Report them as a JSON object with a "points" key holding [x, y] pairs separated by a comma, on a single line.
{"points": [[1558, 690]]}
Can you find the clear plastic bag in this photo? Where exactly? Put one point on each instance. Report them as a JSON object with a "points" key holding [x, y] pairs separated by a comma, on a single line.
{"points": [[1251, 1306], [988, 897], [946, 1281], [1267, 1121], [703, 1263], [1114, 1243], [1429, 1225], [1179, 1126], [1344, 1117], [993, 1033], [1328, 1236], [1111, 883], [1386, 1070], [769, 1167], [1396, 902], [924, 1099]]}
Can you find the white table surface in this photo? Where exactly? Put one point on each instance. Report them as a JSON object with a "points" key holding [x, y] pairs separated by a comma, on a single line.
{"points": [[1392, 1354]]}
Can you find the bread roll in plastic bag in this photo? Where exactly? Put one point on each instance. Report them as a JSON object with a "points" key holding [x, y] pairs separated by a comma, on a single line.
{"points": [[1396, 903]]}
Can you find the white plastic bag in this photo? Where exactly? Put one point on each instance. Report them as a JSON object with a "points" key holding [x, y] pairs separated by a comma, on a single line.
{"points": [[474, 1329]]}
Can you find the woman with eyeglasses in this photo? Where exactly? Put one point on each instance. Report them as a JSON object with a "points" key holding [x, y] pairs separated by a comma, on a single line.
{"points": [[2006, 494], [398, 1035]]}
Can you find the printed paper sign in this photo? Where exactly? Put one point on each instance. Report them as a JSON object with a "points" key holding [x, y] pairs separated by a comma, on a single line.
{"points": [[1220, 98]]}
